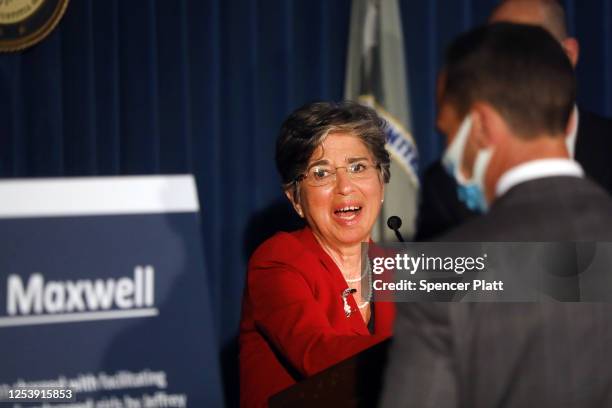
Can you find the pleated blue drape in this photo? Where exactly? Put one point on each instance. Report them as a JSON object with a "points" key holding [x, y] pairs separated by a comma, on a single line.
{"points": [[201, 86]]}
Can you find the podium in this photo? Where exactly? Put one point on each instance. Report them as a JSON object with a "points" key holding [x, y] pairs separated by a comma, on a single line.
{"points": [[354, 382]]}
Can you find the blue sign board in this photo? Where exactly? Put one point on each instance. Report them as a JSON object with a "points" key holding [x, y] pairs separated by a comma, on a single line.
{"points": [[103, 291]]}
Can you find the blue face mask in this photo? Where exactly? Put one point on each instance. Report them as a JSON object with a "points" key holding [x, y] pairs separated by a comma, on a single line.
{"points": [[471, 192]]}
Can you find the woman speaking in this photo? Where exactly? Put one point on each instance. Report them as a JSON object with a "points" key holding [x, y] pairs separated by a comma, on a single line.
{"points": [[303, 310]]}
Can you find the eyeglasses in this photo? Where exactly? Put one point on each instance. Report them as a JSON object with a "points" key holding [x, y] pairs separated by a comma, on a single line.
{"points": [[323, 174]]}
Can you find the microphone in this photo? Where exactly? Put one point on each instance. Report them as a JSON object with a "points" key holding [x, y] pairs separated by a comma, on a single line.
{"points": [[394, 222]]}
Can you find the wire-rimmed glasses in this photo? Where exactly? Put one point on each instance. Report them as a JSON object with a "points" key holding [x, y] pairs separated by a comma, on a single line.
{"points": [[324, 174]]}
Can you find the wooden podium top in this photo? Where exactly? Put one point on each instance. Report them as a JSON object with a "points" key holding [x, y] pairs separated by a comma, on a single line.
{"points": [[354, 382]]}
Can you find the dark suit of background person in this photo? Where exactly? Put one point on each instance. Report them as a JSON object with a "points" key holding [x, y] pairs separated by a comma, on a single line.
{"points": [[511, 354], [441, 210]]}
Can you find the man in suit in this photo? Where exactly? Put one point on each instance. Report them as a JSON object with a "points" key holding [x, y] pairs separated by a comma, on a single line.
{"points": [[514, 89], [589, 139]]}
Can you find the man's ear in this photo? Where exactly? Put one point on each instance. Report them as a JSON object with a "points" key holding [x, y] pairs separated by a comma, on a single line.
{"points": [[488, 126], [289, 192], [572, 49]]}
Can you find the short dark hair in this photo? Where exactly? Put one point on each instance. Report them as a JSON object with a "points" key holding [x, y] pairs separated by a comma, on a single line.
{"points": [[521, 70], [306, 128]]}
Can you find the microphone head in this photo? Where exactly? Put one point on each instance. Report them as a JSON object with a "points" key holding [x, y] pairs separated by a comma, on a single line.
{"points": [[394, 222]]}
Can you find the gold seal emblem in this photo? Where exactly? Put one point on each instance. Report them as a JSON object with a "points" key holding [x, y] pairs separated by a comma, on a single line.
{"points": [[23, 23]]}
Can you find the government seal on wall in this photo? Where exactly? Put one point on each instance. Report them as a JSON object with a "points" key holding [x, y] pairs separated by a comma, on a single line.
{"points": [[23, 23]]}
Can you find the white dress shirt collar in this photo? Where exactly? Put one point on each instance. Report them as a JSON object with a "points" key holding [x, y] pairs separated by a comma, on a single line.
{"points": [[536, 169]]}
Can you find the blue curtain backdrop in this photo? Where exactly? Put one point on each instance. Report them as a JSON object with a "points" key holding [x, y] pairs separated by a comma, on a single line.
{"points": [[201, 86]]}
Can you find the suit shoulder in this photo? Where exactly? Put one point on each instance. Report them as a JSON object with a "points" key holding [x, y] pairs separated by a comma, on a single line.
{"points": [[595, 118], [435, 172], [435, 311], [476, 229], [282, 247], [546, 209]]}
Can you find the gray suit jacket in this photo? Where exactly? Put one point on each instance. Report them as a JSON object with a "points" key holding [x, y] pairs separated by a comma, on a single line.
{"points": [[511, 355]]}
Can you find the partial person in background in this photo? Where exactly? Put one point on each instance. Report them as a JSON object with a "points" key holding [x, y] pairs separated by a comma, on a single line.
{"points": [[589, 138], [487, 354], [302, 308]]}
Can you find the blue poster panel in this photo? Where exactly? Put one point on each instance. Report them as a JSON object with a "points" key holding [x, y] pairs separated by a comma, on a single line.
{"points": [[107, 301]]}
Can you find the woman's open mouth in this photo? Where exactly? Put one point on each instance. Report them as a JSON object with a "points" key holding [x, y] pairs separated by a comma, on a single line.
{"points": [[347, 213]]}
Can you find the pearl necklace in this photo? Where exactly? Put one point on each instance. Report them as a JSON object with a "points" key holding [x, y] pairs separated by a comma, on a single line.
{"points": [[347, 308]]}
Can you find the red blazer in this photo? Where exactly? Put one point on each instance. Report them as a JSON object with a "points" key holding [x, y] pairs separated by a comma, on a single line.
{"points": [[293, 322]]}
